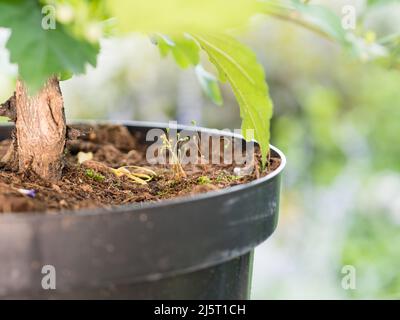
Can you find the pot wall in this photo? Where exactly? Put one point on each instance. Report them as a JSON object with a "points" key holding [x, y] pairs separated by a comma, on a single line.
{"points": [[195, 247]]}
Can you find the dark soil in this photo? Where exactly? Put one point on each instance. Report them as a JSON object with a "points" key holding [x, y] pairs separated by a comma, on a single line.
{"points": [[92, 184]]}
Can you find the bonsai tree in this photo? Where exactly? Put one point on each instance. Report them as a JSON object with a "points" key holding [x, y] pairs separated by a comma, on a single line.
{"points": [[51, 40]]}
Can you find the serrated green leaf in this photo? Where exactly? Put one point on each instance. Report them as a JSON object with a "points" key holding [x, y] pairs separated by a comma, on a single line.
{"points": [[65, 75], [42, 53], [184, 49], [209, 84], [239, 65]]}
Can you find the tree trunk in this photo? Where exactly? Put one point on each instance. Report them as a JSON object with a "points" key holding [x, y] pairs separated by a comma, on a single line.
{"points": [[40, 136]]}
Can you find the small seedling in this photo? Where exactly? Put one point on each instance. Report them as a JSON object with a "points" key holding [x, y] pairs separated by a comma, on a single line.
{"points": [[90, 173], [176, 154], [222, 177], [202, 158], [203, 180]]}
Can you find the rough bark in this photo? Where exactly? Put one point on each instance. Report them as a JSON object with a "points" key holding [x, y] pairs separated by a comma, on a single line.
{"points": [[40, 135]]}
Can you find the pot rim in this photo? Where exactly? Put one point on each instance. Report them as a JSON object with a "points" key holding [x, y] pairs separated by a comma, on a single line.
{"points": [[149, 205]]}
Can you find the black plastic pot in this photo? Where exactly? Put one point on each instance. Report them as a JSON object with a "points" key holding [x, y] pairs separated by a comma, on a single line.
{"points": [[195, 247]]}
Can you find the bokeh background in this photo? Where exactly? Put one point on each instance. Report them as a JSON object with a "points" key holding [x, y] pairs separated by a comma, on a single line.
{"points": [[337, 118]]}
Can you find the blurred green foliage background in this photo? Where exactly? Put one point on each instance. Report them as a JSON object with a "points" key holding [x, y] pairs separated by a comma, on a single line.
{"points": [[337, 118]]}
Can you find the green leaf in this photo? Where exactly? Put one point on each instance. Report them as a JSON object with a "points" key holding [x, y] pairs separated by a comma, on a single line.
{"points": [[238, 65], [184, 49], [42, 53], [325, 19], [65, 75], [209, 84], [177, 16]]}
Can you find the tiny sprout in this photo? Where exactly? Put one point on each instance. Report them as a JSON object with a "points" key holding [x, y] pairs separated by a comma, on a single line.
{"points": [[202, 158], [203, 180], [90, 173], [222, 177], [185, 139], [175, 152]]}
